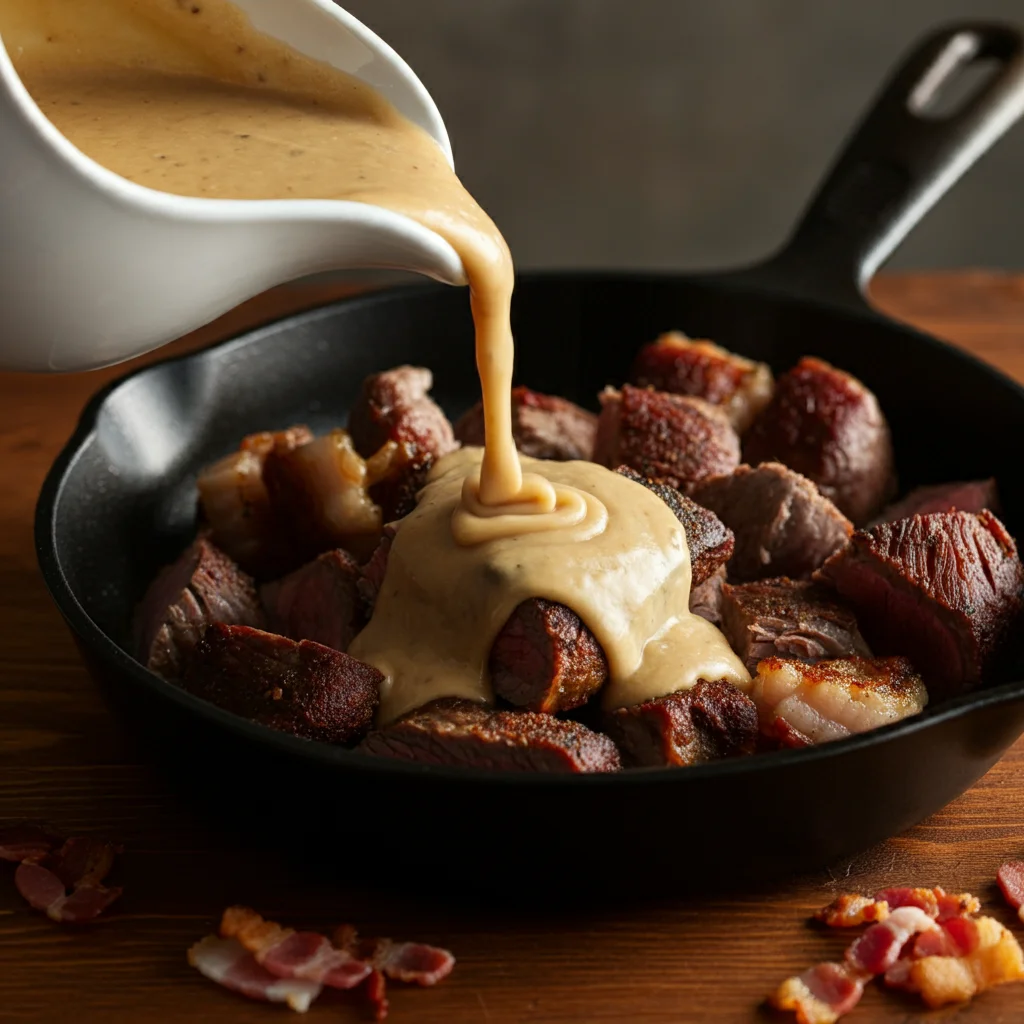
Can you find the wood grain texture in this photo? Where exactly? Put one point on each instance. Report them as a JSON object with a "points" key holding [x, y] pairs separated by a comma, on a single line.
{"points": [[660, 961]]}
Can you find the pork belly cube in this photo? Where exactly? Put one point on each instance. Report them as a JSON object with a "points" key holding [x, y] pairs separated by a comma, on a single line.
{"points": [[396, 406], [672, 439], [827, 425], [236, 505], [782, 523], [320, 494], [468, 735], [962, 496], [543, 426], [203, 586], [943, 589], [319, 602], [295, 686], [701, 369], [709, 721], [788, 619], [800, 704], [706, 597]]}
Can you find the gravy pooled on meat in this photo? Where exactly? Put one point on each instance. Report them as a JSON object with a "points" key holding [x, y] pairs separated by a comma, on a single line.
{"points": [[188, 98]]}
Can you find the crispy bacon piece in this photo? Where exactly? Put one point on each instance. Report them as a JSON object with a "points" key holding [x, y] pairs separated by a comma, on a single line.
{"points": [[848, 910], [935, 902], [827, 425], [27, 841], [377, 994], [879, 947], [227, 962], [237, 506], [701, 369], [286, 953], [67, 884], [961, 958], [1011, 881], [821, 995], [672, 439], [942, 589]]}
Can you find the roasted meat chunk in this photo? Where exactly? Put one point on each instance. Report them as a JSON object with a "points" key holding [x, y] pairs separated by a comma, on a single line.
{"points": [[709, 721], [673, 439], [396, 406], [799, 704], [706, 597], [319, 602], [828, 426], [545, 659], [682, 366], [469, 735], [782, 524], [544, 426], [235, 503], [788, 619], [296, 686], [203, 586], [943, 589], [962, 496]]}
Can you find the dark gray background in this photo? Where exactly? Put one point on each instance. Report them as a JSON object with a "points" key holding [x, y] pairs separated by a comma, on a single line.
{"points": [[680, 133]]}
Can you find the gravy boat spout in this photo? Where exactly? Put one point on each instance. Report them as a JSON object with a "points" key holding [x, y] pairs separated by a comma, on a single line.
{"points": [[97, 269]]}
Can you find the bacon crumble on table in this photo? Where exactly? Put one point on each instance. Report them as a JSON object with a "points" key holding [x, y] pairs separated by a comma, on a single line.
{"points": [[1011, 882]]}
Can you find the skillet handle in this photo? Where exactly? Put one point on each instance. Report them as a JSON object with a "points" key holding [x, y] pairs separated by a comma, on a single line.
{"points": [[897, 164]]}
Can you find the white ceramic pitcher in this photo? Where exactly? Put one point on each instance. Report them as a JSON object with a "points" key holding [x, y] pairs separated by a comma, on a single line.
{"points": [[95, 269]]}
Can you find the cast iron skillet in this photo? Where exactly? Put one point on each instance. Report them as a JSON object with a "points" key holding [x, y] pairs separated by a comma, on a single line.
{"points": [[120, 501]]}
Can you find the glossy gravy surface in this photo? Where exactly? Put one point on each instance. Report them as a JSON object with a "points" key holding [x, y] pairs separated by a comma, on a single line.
{"points": [[187, 98]]}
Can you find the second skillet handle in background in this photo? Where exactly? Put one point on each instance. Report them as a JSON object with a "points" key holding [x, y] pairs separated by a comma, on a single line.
{"points": [[898, 162]]}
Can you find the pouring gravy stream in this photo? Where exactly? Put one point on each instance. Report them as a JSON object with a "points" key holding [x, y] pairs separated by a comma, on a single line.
{"points": [[189, 98]]}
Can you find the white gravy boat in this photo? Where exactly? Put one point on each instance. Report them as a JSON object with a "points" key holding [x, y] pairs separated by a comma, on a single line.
{"points": [[95, 269]]}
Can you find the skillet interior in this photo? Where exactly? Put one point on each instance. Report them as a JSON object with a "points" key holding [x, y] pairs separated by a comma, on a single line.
{"points": [[120, 502]]}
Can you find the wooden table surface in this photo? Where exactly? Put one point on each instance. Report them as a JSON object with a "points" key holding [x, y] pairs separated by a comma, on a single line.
{"points": [[61, 759]]}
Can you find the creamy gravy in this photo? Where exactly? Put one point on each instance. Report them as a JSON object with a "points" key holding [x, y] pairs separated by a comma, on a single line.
{"points": [[184, 96]]}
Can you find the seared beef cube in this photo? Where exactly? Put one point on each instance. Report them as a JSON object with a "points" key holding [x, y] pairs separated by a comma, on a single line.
{"points": [[319, 491], [943, 589], [701, 369], [544, 426], [371, 574], [319, 602], [545, 659], [672, 439], [783, 525], [963, 496], [295, 686], [706, 597], [799, 704], [710, 541], [828, 426], [397, 488], [789, 619], [235, 503], [396, 406], [709, 721], [468, 735], [201, 587]]}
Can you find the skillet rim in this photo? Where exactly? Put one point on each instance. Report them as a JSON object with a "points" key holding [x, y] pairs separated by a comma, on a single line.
{"points": [[115, 656]]}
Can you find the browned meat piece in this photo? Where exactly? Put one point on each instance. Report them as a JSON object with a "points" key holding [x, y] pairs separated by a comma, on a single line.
{"points": [[670, 438], [711, 720], [679, 365], [544, 426], [783, 525], [710, 541], [318, 602], [396, 489], [371, 574], [396, 406], [942, 589], [789, 619], [545, 659], [706, 597], [295, 686], [964, 496], [468, 735], [201, 587], [319, 492], [235, 503], [827, 425], [799, 704]]}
